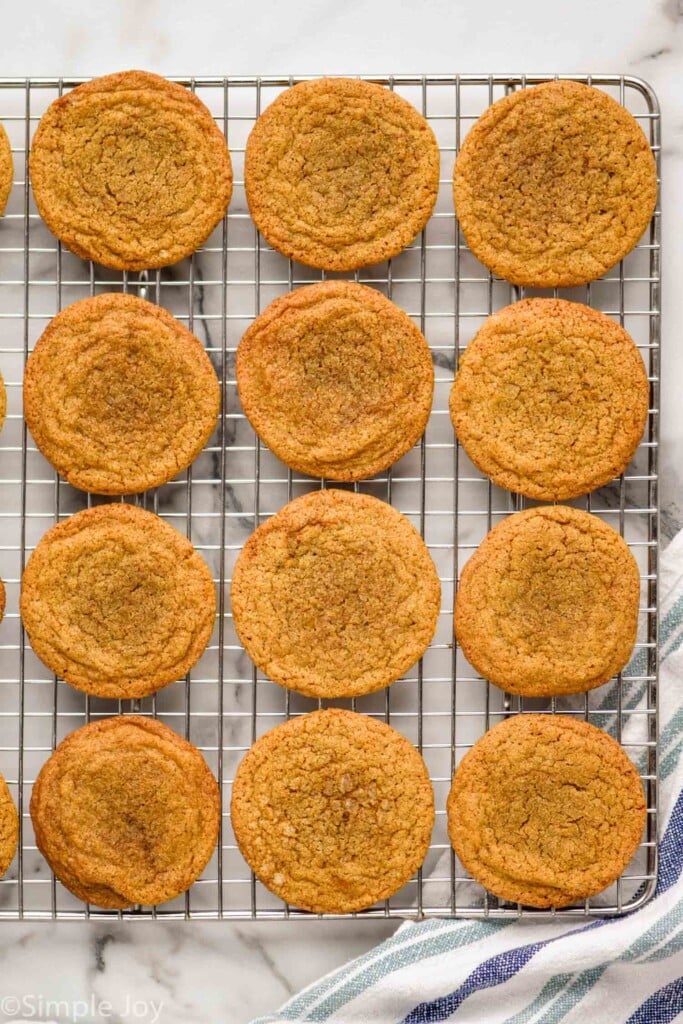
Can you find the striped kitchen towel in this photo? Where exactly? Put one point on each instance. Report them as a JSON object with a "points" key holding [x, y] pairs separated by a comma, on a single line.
{"points": [[608, 971]]}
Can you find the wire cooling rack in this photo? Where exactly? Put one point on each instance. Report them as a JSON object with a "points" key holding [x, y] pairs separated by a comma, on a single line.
{"points": [[225, 704]]}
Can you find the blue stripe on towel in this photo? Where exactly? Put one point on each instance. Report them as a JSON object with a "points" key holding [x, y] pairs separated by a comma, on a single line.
{"points": [[501, 968], [671, 849], [494, 971], [662, 1007]]}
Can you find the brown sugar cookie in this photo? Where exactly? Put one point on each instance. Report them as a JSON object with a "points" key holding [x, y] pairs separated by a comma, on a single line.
{"points": [[131, 171], [336, 595], [333, 811], [119, 395], [336, 379], [341, 173], [9, 827], [554, 184], [546, 810], [548, 604], [550, 399], [126, 812], [6, 169], [117, 602]]}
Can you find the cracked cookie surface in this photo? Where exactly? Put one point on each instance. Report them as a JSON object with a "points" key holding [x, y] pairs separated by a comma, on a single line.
{"points": [[546, 810], [341, 173], [6, 169], [119, 395], [117, 602], [126, 811], [336, 595], [548, 604], [336, 379], [9, 827], [333, 811], [554, 185], [550, 399], [131, 171]]}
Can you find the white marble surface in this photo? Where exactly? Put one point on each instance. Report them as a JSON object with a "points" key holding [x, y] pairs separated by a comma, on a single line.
{"points": [[220, 971]]}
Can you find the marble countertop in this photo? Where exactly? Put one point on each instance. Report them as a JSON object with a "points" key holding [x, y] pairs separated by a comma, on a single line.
{"points": [[177, 972]]}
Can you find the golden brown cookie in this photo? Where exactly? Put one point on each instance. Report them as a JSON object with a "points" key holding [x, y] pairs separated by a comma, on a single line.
{"points": [[125, 812], [336, 380], [9, 827], [131, 171], [341, 173], [336, 595], [546, 810], [118, 395], [333, 811], [117, 602], [548, 604], [550, 399], [554, 185], [6, 169]]}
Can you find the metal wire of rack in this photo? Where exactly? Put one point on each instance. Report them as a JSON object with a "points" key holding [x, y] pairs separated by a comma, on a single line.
{"points": [[224, 704]]}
